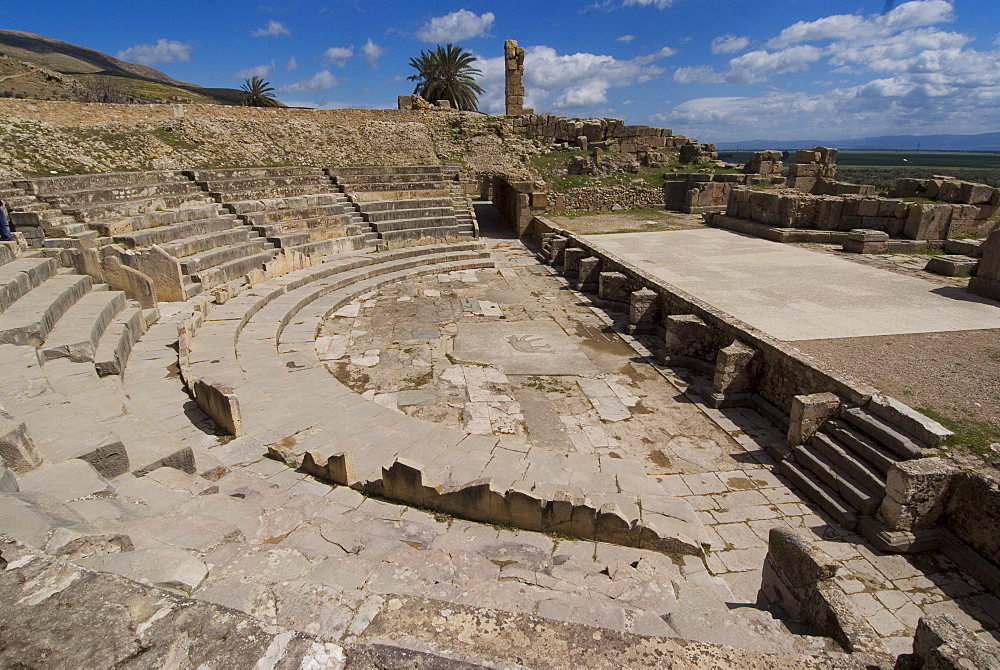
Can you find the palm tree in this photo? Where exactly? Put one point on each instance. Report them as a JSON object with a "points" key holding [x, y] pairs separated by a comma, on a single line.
{"points": [[258, 93], [446, 73]]}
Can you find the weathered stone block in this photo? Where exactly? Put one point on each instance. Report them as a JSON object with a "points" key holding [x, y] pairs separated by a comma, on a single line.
{"points": [[571, 261], [941, 643], [732, 369], [643, 307], [927, 222], [17, 450], [687, 335], [588, 274], [220, 403], [916, 492], [808, 414], [614, 286], [865, 241]]}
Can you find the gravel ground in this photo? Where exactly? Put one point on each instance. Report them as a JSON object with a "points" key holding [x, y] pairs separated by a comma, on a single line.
{"points": [[956, 373]]}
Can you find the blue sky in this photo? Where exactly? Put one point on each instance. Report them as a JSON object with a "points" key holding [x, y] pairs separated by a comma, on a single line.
{"points": [[718, 70]]}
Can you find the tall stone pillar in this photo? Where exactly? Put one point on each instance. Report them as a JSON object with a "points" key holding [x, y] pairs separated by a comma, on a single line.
{"points": [[513, 58]]}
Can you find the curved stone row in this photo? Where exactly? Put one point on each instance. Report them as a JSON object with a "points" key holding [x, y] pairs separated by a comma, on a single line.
{"points": [[259, 348]]}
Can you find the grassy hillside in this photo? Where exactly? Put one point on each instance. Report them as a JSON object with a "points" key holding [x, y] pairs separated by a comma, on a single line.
{"points": [[39, 67]]}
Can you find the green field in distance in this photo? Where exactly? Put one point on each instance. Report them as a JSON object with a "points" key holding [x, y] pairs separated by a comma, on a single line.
{"points": [[925, 159]]}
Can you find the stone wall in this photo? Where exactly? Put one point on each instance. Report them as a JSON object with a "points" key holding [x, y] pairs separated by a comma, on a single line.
{"points": [[651, 146], [987, 280], [607, 198], [898, 218], [973, 205], [811, 166]]}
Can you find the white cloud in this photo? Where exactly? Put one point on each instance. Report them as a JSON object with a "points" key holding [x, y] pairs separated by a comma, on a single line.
{"points": [[571, 81], [915, 14], [255, 71], [460, 25], [757, 66], [372, 52], [698, 74], [662, 4], [292, 64], [272, 29], [320, 81], [728, 44], [164, 51], [338, 55], [629, 38]]}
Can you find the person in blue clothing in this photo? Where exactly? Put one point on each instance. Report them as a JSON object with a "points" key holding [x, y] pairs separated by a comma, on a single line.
{"points": [[4, 226]]}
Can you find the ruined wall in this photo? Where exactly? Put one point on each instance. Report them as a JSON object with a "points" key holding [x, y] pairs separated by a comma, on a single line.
{"points": [[895, 216], [606, 198]]}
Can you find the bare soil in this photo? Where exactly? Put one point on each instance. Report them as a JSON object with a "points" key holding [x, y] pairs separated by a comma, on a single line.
{"points": [[626, 221], [955, 373]]}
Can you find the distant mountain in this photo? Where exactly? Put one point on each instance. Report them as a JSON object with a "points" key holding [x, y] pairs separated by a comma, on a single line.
{"points": [[82, 63], [982, 142]]}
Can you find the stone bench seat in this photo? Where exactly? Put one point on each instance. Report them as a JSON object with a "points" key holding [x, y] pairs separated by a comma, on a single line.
{"points": [[69, 183], [384, 170], [417, 236], [30, 320], [233, 268], [274, 204], [119, 338], [179, 231], [223, 186], [269, 193], [196, 244], [210, 258], [143, 191], [326, 246], [398, 186], [147, 220], [378, 206], [19, 276], [359, 181], [76, 334], [377, 216], [126, 208], [274, 216], [252, 172], [394, 225]]}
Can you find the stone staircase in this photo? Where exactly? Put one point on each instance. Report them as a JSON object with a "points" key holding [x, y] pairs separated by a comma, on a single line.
{"points": [[843, 467], [63, 340], [409, 205], [292, 207]]}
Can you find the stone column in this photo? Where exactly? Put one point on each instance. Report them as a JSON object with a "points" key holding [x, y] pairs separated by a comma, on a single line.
{"points": [[514, 71]]}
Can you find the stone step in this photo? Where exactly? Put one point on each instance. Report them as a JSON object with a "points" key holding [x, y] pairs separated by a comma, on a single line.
{"points": [[195, 265], [419, 236], [268, 193], [338, 221], [116, 343], [144, 191], [359, 180], [423, 213], [189, 246], [853, 493], [253, 205], [252, 172], [22, 275], [402, 203], [96, 181], [126, 208], [293, 213], [884, 433], [290, 239], [222, 186], [179, 231], [819, 493], [30, 320], [333, 245], [862, 445], [410, 224], [858, 469], [384, 169], [408, 187], [77, 333], [156, 219], [219, 274]]}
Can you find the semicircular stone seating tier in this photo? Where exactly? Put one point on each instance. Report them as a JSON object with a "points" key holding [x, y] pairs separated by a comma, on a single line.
{"points": [[260, 346]]}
